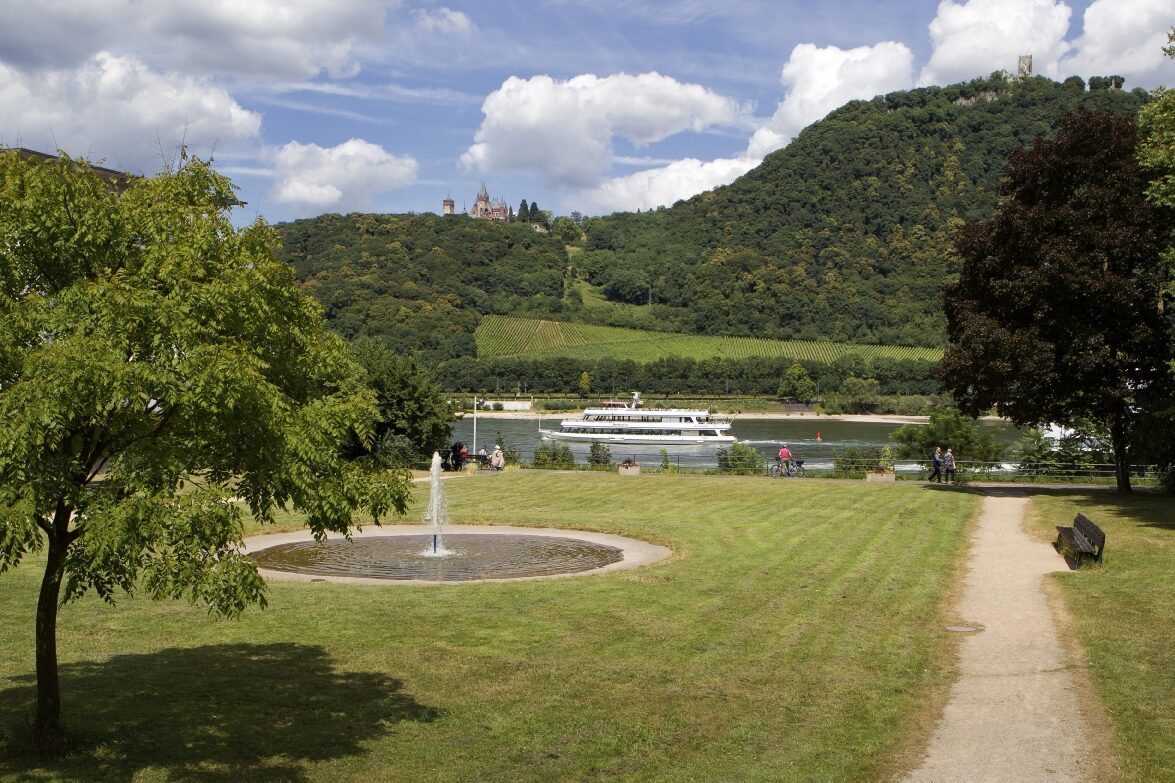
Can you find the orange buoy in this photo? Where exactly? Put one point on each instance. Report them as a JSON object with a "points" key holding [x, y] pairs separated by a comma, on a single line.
{"points": [[818, 439]]}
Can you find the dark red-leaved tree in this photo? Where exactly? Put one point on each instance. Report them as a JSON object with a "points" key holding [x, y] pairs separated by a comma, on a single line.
{"points": [[1061, 310]]}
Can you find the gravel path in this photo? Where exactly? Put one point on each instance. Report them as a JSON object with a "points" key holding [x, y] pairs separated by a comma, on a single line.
{"points": [[1014, 714]]}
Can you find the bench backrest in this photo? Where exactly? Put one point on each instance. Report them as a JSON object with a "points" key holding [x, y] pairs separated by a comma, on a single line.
{"points": [[1093, 534]]}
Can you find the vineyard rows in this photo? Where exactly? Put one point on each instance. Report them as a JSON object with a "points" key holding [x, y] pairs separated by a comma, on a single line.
{"points": [[501, 336]]}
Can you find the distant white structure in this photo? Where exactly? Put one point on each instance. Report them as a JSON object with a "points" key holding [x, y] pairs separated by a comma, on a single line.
{"points": [[507, 405], [1024, 67]]}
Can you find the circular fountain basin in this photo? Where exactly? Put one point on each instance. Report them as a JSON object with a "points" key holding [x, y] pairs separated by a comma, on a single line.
{"points": [[402, 554]]}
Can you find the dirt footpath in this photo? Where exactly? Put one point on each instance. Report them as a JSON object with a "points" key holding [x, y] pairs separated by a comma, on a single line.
{"points": [[1014, 714]]}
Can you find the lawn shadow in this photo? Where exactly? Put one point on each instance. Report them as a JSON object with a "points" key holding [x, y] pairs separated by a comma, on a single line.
{"points": [[213, 714], [1096, 493]]}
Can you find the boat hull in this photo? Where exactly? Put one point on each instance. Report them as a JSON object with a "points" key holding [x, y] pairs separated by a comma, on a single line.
{"points": [[634, 440]]}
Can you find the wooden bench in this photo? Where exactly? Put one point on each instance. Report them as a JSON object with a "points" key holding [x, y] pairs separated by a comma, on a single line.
{"points": [[1084, 538], [482, 460]]}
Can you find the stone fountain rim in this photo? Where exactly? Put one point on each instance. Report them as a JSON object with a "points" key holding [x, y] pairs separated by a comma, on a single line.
{"points": [[635, 553]]}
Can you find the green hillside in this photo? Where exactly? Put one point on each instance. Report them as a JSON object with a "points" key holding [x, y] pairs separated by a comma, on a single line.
{"points": [[422, 282], [841, 237], [844, 234], [500, 337]]}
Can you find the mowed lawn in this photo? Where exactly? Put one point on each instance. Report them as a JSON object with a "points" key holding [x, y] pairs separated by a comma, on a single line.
{"points": [[795, 634], [1124, 613]]}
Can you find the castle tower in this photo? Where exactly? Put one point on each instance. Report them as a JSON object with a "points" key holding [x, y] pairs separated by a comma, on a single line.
{"points": [[487, 209], [1024, 67], [447, 206], [481, 207]]}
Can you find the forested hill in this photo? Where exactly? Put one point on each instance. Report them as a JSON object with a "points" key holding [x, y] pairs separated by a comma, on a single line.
{"points": [[844, 234], [422, 282]]}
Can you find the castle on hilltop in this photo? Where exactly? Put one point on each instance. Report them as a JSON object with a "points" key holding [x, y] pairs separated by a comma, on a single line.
{"points": [[483, 208]]}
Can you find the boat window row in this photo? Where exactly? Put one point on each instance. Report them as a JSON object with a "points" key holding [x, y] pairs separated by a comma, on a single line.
{"points": [[650, 418], [636, 431], [603, 417]]}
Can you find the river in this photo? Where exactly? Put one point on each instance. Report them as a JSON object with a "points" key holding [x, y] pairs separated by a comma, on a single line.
{"points": [[814, 440]]}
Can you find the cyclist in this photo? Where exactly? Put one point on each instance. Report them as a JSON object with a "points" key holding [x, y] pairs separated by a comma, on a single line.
{"points": [[785, 459]]}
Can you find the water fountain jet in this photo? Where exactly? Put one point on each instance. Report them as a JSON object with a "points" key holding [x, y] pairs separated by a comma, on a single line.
{"points": [[438, 510]]}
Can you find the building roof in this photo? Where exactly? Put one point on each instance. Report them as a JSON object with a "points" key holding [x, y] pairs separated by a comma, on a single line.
{"points": [[119, 179]]}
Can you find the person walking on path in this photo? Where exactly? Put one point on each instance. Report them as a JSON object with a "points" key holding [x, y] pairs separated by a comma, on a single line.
{"points": [[948, 463], [936, 474]]}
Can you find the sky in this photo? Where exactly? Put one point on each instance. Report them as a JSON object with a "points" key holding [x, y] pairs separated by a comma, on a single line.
{"points": [[596, 106]]}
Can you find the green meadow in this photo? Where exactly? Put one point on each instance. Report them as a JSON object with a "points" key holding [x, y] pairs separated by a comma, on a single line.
{"points": [[501, 336], [795, 634]]}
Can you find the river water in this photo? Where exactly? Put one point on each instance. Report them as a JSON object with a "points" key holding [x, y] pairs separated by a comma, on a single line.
{"points": [[815, 440]]}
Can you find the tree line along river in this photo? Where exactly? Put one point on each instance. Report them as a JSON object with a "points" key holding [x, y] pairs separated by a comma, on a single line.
{"points": [[816, 440]]}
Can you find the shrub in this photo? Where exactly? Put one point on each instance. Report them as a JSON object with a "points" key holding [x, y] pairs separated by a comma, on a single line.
{"points": [[856, 461], [741, 459], [556, 456], [1167, 479], [948, 428], [599, 456]]}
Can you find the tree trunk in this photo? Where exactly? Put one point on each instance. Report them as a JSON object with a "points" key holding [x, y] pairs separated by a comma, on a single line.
{"points": [[47, 733], [1121, 449]]}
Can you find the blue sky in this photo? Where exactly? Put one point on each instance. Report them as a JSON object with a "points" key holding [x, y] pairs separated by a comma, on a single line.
{"points": [[372, 105]]}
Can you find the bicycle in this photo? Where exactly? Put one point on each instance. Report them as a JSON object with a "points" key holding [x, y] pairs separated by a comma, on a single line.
{"points": [[778, 470]]}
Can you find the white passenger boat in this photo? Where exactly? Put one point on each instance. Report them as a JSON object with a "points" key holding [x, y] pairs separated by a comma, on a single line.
{"points": [[620, 422]]}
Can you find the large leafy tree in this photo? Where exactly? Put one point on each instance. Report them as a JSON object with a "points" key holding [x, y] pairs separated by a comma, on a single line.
{"points": [[796, 384], [154, 363], [1156, 148], [415, 413], [1060, 310], [1156, 152]]}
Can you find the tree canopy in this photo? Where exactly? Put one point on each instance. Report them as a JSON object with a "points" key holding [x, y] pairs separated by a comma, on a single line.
{"points": [[1155, 436], [948, 428], [421, 283], [1156, 150], [415, 413], [155, 362], [1060, 310]]}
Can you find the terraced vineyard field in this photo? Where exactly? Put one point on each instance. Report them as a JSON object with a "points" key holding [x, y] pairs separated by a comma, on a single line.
{"points": [[501, 336]]}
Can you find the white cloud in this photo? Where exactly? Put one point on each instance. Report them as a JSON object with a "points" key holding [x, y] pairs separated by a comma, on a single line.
{"points": [[975, 38], [658, 187], [117, 109], [314, 179], [1123, 37], [819, 80], [564, 130], [271, 38], [444, 20]]}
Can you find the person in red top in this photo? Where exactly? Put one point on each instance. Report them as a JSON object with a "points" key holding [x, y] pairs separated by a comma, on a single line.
{"points": [[785, 456]]}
